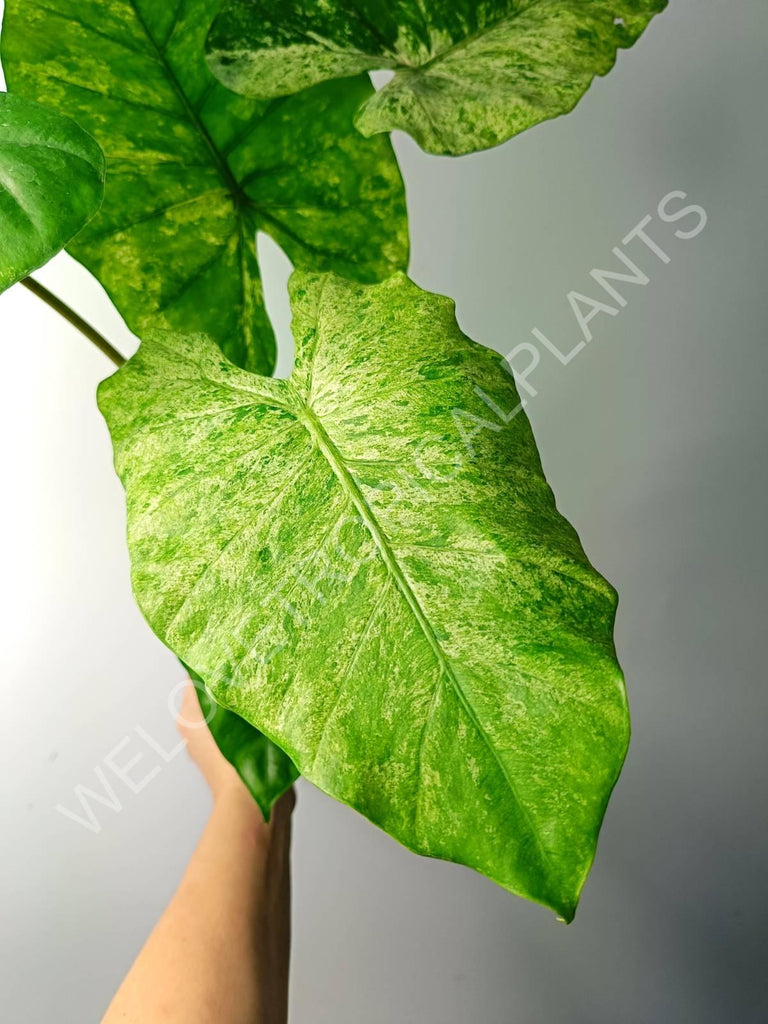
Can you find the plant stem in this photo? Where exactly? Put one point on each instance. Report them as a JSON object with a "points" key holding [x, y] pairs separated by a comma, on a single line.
{"points": [[72, 317]]}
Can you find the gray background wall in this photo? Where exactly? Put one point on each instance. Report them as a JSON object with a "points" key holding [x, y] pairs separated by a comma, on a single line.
{"points": [[654, 439]]}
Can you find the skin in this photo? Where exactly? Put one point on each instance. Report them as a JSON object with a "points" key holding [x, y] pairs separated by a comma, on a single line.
{"points": [[220, 951]]}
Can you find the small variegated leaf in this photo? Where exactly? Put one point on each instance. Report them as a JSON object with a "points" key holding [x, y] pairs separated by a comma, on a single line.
{"points": [[468, 75]]}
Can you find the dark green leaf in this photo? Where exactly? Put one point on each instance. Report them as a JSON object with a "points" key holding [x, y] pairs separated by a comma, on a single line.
{"points": [[366, 563], [264, 768], [195, 171], [468, 75], [51, 184]]}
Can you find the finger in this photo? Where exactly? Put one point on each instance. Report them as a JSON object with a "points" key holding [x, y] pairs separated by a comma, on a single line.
{"points": [[190, 715]]}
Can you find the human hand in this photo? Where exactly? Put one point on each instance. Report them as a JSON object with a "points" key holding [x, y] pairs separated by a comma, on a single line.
{"points": [[201, 746], [220, 775], [221, 950]]}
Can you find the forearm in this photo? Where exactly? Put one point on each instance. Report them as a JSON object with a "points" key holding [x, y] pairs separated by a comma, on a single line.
{"points": [[220, 951]]}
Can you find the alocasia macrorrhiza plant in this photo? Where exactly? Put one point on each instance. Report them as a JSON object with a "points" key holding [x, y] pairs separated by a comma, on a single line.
{"points": [[362, 565]]}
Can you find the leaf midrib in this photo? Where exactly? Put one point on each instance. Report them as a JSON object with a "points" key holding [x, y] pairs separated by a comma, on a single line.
{"points": [[240, 197], [390, 57], [466, 41], [49, 147], [241, 201], [325, 444], [221, 165]]}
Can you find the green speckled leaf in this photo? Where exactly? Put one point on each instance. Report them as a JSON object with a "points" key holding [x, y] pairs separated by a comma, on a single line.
{"points": [[365, 562], [195, 171], [468, 74], [264, 768], [51, 184]]}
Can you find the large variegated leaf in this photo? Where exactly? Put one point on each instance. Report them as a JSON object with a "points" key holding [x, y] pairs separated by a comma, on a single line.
{"points": [[195, 171], [366, 563], [51, 184], [468, 75]]}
